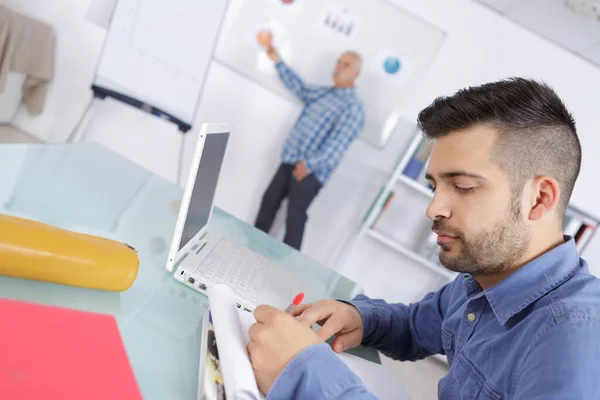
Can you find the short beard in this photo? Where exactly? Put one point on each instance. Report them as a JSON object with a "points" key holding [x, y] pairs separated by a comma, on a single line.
{"points": [[491, 251]]}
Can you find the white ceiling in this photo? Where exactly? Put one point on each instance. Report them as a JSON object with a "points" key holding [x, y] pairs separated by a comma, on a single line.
{"points": [[554, 20]]}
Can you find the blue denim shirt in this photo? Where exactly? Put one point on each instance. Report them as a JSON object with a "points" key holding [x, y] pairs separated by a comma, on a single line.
{"points": [[534, 335]]}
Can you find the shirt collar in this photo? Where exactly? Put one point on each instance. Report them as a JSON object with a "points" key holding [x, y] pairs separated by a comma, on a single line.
{"points": [[345, 92], [530, 282]]}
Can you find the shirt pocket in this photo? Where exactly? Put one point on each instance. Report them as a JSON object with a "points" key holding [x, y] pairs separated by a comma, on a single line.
{"points": [[466, 382], [448, 345]]}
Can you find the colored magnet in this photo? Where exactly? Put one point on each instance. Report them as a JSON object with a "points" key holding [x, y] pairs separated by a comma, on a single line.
{"points": [[391, 65]]}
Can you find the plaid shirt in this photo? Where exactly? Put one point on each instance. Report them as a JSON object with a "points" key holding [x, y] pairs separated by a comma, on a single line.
{"points": [[330, 121]]}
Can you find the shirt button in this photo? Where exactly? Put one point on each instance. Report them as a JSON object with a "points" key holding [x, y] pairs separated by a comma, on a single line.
{"points": [[471, 317]]}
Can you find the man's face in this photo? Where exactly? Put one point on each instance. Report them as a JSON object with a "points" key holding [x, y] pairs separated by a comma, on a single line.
{"points": [[479, 220], [346, 70]]}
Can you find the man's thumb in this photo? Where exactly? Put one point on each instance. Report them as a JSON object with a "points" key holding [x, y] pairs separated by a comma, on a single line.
{"points": [[339, 344]]}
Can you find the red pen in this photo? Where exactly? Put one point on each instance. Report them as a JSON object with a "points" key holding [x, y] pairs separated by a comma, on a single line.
{"points": [[297, 300]]}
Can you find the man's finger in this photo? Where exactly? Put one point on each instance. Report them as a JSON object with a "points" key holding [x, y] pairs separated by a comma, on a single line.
{"points": [[339, 343], [250, 347], [300, 309], [313, 314], [332, 326], [264, 313], [253, 331]]}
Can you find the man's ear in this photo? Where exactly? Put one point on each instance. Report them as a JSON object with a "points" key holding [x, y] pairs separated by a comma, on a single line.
{"points": [[544, 197]]}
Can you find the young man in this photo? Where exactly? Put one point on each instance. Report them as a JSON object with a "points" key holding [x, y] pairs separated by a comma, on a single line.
{"points": [[522, 321], [331, 120]]}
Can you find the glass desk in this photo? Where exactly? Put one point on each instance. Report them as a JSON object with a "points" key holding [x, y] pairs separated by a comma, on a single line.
{"points": [[88, 188]]}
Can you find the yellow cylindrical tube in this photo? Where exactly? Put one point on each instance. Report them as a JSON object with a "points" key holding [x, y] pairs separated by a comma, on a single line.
{"points": [[34, 250]]}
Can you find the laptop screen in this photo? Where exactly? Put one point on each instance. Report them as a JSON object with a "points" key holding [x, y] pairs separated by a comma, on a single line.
{"points": [[205, 185]]}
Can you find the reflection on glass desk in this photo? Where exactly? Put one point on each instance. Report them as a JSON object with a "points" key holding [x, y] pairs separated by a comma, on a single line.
{"points": [[90, 189]]}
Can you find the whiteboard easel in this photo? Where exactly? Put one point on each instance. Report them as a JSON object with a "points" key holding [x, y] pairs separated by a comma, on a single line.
{"points": [[155, 58]]}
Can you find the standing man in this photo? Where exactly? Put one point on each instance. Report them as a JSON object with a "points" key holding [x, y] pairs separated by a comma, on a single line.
{"points": [[330, 121], [522, 320]]}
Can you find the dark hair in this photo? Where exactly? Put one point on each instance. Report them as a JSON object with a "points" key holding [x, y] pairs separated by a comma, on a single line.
{"points": [[536, 132]]}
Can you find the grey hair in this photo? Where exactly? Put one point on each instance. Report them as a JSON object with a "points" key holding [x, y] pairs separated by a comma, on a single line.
{"points": [[359, 60]]}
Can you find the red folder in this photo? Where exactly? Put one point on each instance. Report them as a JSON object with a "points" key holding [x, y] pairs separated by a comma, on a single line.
{"points": [[56, 353]]}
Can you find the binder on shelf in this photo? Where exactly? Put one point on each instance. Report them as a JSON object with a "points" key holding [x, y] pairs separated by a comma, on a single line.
{"points": [[571, 225], [583, 236], [421, 179], [415, 165], [580, 226], [389, 198], [372, 206]]}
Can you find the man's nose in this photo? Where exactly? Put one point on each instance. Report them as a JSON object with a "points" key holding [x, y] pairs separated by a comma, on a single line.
{"points": [[438, 208]]}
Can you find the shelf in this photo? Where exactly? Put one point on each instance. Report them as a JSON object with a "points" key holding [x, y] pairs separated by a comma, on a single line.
{"points": [[438, 269], [583, 217], [415, 185]]}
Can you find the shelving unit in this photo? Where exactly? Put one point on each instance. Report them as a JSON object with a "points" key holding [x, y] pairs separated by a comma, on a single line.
{"points": [[580, 225], [577, 223], [411, 254], [366, 228], [415, 185]]}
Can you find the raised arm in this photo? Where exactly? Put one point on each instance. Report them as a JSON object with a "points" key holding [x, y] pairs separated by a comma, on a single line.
{"points": [[305, 92]]}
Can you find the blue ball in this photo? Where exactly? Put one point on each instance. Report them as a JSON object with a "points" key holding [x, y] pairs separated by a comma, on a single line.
{"points": [[391, 65]]}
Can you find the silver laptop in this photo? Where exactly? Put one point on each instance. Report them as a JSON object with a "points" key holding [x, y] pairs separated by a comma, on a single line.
{"points": [[199, 258]]}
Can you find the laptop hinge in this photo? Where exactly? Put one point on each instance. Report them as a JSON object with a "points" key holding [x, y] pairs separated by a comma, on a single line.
{"points": [[201, 246]]}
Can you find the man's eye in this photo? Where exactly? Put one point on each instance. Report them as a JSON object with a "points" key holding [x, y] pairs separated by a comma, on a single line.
{"points": [[461, 189]]}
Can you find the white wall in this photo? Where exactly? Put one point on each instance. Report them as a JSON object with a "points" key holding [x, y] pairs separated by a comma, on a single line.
{"points": [[78, 45], [480, 47]]}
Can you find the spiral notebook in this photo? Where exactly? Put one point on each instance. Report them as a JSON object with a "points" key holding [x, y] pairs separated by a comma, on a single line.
{"points": [[225, 370]]}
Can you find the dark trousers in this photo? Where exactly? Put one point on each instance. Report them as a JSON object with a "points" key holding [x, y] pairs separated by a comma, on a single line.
{"points": [[299, 194]]}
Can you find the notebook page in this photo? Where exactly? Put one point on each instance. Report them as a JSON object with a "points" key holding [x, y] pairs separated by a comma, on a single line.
{"points": [[379, 380], [235, 363]]}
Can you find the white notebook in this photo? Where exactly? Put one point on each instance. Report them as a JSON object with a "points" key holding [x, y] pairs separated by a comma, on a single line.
{"points": [[231, 331]]}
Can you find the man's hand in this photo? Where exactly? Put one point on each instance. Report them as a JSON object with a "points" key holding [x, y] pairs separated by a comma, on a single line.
{"points": [[265, 39], [275, 339], [335, 318], [301, 172]]}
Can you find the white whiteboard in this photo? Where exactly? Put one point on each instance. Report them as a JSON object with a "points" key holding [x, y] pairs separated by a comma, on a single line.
{"points": [[158, 52], [305, 35]]}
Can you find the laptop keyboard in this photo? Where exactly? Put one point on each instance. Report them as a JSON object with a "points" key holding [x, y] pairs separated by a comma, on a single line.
{"points": [[235, 266]]}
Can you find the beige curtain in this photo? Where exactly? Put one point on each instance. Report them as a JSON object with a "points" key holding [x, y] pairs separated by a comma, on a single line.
{"points": [[27, 46]]}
